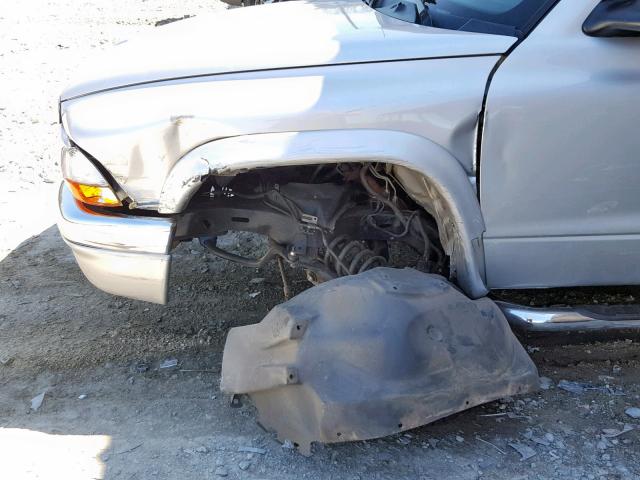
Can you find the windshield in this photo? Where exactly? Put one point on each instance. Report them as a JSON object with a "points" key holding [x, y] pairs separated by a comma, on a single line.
{"points": [[503, 17]]}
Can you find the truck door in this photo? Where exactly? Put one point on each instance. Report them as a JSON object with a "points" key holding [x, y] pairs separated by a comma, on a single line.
{"points": [[560, 158]]}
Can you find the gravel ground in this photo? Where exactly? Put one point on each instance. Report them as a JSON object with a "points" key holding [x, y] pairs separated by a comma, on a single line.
{"points": [[109, 412]]}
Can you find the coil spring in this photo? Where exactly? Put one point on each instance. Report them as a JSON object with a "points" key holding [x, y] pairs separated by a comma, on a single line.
{"points": [[349, 257]]}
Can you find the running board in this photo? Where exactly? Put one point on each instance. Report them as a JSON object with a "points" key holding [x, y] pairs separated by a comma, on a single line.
{"points": [[581, 323]]}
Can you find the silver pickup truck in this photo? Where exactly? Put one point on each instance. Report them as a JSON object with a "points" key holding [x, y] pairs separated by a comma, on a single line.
{"points": [[495, 139]]}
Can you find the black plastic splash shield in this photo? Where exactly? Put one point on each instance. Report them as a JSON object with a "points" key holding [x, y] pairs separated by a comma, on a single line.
{"points": [[374, 354]]}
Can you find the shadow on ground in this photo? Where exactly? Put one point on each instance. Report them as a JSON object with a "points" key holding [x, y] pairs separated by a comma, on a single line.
{"points": [[110, 412]]}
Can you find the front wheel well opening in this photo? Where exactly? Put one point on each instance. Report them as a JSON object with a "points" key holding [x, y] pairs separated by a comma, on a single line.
{"points": [[331, 219]]}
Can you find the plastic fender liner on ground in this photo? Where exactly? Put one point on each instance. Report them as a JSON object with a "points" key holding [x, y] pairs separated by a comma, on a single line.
{"points": [[374, 354]]}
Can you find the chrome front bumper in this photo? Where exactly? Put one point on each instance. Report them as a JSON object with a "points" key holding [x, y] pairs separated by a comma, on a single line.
{"points": [[120, 254]]}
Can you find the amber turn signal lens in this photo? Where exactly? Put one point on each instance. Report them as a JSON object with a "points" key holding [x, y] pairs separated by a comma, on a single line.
{"points": [[94, 195]]}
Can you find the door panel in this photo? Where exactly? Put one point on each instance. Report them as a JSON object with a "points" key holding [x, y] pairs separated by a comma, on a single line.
{"points": [[560, 159]]}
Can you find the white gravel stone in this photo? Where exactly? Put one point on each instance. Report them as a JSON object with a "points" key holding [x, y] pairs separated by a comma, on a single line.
{"points": [[633, 412]]}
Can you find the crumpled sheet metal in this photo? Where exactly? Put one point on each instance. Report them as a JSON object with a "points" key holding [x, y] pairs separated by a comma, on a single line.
{"points": [[370, 355]]}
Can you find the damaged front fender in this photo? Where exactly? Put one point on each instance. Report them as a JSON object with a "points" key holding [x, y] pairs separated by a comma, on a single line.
{"points": [[373, 354], [429, 174]]}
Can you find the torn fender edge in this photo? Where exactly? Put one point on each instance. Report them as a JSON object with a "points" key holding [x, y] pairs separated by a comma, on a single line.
{"points": [[370, 355]]}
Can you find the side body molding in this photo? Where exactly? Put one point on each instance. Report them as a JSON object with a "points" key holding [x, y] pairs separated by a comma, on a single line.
{"points": [[428, 172]]}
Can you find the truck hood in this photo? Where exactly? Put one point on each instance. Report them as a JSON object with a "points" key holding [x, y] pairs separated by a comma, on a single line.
{"points": [[275, 36]]}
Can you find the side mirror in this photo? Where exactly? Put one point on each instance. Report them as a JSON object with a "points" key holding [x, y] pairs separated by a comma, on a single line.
{"points": [[614, 18]]}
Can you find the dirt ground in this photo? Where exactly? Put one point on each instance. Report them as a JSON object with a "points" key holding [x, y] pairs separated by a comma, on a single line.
{"points": [[109, 411]]}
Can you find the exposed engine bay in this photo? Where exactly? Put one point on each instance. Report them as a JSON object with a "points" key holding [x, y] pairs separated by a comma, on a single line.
{"points": [[332, 220]]}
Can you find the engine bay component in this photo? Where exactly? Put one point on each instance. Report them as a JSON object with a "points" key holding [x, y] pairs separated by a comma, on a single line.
{"points": [[353, 257], [369, 355]]}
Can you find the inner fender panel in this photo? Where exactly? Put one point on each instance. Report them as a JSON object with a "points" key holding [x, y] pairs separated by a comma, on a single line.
{"points": [[370, 355]]}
